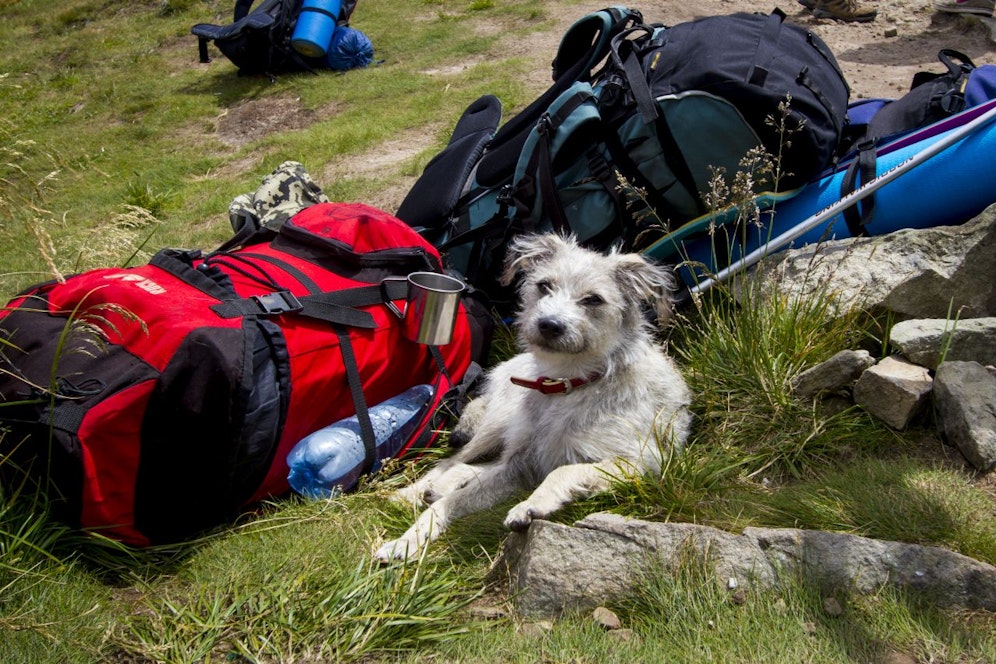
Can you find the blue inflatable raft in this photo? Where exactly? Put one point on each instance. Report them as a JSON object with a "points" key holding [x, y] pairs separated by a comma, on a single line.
{"points": [[942, 174]]}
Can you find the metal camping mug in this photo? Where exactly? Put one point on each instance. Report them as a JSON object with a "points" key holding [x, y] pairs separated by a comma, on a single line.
{"points": [[431, 307]]}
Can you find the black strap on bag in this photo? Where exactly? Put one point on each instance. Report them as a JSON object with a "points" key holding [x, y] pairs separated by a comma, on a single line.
{"points": [[629, 63]]}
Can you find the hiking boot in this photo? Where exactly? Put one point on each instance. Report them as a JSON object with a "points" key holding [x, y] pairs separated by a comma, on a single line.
{"points": [[846, 10], [980, 7]]}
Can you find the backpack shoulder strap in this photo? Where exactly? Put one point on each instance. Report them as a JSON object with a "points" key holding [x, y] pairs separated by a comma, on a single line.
{"points": [[587, 41], [241, 9]]}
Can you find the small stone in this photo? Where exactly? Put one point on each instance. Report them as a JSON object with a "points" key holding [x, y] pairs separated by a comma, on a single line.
{"points": [[838, 372], [731, 583], [890, 33], [809, 628], [622, 635], [538, 628], [488, 612], [832, 607], [896, 657], [739, 597], [894, 391], [606, 618]]}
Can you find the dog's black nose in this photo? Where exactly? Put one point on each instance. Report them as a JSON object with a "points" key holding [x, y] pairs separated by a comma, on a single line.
{"points": [[550, 328]]}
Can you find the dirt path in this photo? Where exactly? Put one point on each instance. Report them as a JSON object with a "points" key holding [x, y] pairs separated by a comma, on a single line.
{"points": [[878, 58]]}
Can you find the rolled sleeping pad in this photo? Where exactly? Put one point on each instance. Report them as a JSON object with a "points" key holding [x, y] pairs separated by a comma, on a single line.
{"points": [[315, 28]]}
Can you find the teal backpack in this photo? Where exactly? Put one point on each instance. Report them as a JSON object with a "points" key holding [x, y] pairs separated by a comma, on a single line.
{"points": [[617, 152]]}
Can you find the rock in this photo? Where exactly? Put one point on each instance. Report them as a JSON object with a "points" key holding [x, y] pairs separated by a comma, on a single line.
{"points": [[605, 618], [896, 657], [922, 341], [850, 563], [838, 372], [553, 567], [916, 273], [965, 401], [535, 629], [486, 612], [894, 391], [832, 607], [624, 635]]}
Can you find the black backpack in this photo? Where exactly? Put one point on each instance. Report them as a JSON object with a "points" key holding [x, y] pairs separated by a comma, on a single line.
{"points": [[259, 42], [637, 119]]}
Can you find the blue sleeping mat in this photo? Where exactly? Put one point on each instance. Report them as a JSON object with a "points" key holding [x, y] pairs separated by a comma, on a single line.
{"points": [[948, 188]]}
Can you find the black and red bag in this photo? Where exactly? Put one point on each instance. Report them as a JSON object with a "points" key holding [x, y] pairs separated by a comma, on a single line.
{"points": [[162, 400]]}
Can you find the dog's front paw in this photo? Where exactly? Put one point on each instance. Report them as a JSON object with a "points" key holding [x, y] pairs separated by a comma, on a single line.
{"points": [[399, 549], [411, 495], [520, 516]]}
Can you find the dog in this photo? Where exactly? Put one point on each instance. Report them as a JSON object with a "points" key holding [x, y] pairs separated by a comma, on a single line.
{"points": [[590, 396]]}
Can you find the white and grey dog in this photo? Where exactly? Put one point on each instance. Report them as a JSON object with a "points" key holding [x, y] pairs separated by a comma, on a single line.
{"points": [[589, 397]]}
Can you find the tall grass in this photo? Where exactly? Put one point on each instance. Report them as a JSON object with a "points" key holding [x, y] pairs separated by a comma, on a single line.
{"points": [[298, 584]]}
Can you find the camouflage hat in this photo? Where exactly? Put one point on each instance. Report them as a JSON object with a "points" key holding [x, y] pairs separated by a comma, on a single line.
{"points": [[283, 193]]}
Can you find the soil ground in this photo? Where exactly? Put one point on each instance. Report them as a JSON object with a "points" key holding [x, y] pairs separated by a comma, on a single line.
{"points": [[878, 58]]}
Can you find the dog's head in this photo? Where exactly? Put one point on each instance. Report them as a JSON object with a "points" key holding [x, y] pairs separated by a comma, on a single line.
{"points": [[577, 301]]}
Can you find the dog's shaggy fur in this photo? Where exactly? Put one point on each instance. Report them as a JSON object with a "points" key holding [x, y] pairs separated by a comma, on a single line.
{"points": [[582, 316]]}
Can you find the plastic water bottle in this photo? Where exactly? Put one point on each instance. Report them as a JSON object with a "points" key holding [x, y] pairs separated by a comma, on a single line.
{"points": [[330, 460]]}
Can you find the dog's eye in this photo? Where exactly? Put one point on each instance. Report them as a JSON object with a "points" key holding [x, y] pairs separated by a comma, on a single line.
{"points": [[592, 300], [544, 287]]}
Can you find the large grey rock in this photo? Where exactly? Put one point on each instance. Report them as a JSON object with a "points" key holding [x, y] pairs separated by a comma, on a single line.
{"points": [[862, 565], [965, 401], [917, 273], [894, 391], [922, 341], [838, 372], [552, 568]]}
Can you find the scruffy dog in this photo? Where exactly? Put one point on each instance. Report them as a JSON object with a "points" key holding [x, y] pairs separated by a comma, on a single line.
{"points": [[579, 405]]}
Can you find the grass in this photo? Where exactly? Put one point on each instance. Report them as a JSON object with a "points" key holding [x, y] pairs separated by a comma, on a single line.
{"points": [[109, 133]]}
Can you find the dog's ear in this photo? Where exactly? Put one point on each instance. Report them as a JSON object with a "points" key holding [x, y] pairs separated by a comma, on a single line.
{"points": [[644, 281], [527, 250]]}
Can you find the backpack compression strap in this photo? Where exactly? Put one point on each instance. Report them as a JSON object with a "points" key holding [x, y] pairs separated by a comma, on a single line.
{"points": [[336, 307]]}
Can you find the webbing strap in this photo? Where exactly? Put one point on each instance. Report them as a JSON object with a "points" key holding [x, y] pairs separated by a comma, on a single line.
{"points": [[64, 416], [335, 307], [359, 400], [547, 186], [539, 170], [676, 160], [860, 171], [640, 88], [767, 48]]}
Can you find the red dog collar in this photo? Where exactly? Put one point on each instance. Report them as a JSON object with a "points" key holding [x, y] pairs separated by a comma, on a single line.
{"points": [[554, 385]]}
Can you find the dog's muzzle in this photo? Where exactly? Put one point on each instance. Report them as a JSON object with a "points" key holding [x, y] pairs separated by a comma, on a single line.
{"points": [[550, 328]]}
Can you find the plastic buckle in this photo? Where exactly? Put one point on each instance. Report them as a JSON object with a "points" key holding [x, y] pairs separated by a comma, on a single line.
{"points": [[279, 302], [544, 126]]}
